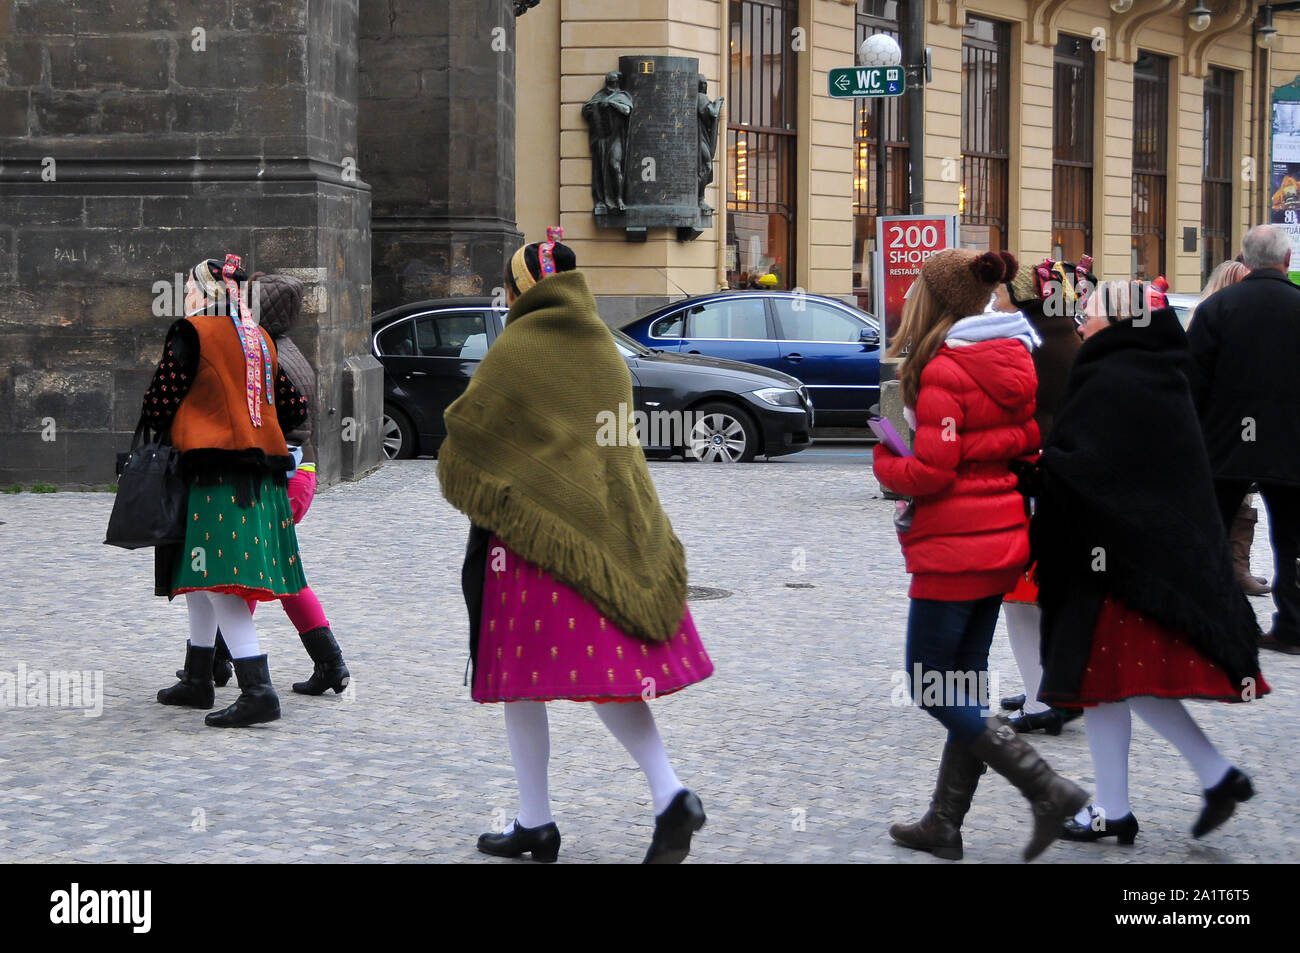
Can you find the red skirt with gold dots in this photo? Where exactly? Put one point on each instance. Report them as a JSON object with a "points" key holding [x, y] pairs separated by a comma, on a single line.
{"points": [[1133, 655], [540, 641]]}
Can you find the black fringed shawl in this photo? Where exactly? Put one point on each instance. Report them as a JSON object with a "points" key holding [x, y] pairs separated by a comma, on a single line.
{"points": [[1126, 508]]}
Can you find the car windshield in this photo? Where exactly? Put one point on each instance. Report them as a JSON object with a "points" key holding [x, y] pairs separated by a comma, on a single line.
{"points": [[627, 345]]}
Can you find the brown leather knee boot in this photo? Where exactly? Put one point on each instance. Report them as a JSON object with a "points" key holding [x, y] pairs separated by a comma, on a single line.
{"points": [[1241, 536], [939, 830], [1054, 799]]}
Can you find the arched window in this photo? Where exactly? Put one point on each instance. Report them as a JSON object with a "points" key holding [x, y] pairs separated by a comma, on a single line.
{"points": [[985, 131], [1072, 148], [1216, 175], [1150, 163], [761, 134]]}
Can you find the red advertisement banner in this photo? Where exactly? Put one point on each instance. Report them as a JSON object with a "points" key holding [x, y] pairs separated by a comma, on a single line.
{"points": [[903, 243]]}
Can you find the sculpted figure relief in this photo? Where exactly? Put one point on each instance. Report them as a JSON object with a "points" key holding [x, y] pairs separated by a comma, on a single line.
{"points": [[607, 123], [708, 111]]}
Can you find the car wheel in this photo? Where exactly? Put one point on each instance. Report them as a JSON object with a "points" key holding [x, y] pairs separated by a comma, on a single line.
{"points": [[398, 436], [722, 433]]}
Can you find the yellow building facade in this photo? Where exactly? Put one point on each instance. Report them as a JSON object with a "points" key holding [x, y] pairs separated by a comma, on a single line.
{"points": [[1050, 127]]}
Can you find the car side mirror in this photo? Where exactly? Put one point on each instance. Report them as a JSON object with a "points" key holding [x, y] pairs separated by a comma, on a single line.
{"points": [[869, 337]]}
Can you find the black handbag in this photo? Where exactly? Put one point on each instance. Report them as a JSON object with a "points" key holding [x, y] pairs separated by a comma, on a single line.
{"points": [[152, 499]]}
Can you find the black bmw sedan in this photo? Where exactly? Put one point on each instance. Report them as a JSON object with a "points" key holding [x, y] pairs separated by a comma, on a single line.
{"points": [[700, 408]]}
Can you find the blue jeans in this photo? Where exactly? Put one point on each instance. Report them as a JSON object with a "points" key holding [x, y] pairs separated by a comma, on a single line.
{"points": [[951, 640]]}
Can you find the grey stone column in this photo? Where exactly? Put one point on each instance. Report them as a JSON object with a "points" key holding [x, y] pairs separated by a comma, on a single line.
{"points": [[136, 139], [437, 139]]}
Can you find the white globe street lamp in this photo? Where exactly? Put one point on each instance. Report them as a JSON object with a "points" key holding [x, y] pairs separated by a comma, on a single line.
{"points": [[880, 49]]}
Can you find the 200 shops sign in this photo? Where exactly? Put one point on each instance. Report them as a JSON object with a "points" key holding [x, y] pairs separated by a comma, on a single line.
{"points": [[903, 244]]}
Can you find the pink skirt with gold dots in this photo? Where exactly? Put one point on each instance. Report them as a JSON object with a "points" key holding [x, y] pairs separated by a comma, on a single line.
{"points": [[540, 641]]}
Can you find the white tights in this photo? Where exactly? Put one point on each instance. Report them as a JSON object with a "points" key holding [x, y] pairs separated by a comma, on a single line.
{"points": [[1109, 729], [632, 723], [210, 611], [1023, 620]]}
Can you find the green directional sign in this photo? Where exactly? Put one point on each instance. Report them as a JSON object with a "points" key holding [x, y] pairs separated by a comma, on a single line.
{"points": [[854, 81]]}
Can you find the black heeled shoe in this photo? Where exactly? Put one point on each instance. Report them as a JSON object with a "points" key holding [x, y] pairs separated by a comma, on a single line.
{"points": [[1049, 721], [673, 829], [1221, 800], [1013, 703], [543, 843], [1123, 829]]}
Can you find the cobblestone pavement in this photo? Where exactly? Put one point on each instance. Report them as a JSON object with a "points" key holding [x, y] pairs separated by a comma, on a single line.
{"points": [[794, 745]]}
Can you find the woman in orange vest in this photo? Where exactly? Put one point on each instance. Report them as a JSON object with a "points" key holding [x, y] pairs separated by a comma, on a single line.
{"points": [[219, 391]]}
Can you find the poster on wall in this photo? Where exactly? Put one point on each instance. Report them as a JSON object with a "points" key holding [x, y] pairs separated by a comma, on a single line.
{"points": [[903, 243], [1285, 167]]}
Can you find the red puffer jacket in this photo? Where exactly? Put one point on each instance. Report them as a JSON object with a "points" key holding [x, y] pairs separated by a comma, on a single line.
{"points": [[969, 537]]}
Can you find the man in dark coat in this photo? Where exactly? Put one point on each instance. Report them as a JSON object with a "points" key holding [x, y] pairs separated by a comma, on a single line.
{"points": [[1245, 343]]}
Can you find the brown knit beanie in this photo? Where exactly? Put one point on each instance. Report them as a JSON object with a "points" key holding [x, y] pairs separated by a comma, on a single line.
{"points": [[963, 280]]}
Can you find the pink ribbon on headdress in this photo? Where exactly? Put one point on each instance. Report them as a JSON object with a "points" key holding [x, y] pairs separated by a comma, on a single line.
{"points": [[546, 250], [257, 361]]}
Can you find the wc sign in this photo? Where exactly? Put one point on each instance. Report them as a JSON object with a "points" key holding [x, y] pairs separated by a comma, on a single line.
{"points": [[856, 81]]}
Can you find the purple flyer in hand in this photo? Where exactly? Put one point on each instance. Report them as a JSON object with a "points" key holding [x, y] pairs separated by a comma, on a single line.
{"points": [[884, 430]]}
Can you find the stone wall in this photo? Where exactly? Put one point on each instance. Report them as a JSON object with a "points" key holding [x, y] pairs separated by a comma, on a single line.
{"points": [[137, 138], [437, 132]]}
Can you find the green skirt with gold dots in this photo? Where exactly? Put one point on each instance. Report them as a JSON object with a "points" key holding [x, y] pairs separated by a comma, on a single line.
{"points": [[248, 551]]}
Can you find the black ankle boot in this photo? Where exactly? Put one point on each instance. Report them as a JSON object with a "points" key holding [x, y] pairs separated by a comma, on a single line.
{"points": [[939, 830], [194, 690], [257, 701], [673, 829], [1123, 829], [330, 672], [221, 670], [221, 667], [543, 843], [1013, 703], [1221, 800]]}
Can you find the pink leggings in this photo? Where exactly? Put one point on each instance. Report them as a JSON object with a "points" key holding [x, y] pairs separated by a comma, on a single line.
{"points": [[304, 609]]}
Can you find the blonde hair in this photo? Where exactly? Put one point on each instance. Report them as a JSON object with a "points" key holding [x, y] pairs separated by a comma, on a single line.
{"points": [[925, 324], [1224, 274]]}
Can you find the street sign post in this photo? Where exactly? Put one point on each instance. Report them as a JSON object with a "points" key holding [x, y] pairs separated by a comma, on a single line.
{"points": [[854, 81]]}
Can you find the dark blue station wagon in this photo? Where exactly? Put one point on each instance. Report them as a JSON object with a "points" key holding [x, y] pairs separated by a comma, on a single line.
{"points": [[832, 347]]}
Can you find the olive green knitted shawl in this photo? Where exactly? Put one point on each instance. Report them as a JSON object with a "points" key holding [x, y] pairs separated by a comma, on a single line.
{"points": [[522, 460]]}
